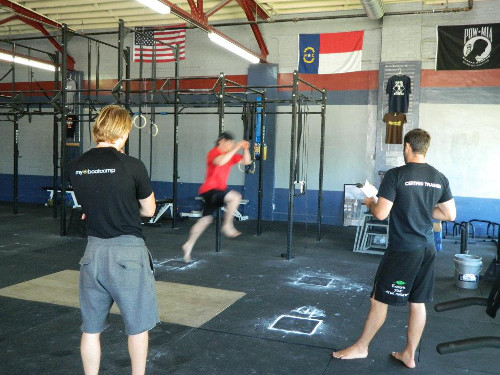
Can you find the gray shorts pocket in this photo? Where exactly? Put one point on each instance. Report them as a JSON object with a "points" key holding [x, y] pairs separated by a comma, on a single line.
{"points": [[86, 273], [128, 274]]}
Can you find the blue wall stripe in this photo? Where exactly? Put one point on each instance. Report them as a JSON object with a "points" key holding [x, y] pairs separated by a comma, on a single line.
{"points": [[468, 208], [460, 95]]}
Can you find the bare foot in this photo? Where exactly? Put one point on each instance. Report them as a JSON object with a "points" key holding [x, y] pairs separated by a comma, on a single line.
{"points": [[352, 352], [405, 358], [186, 248], [230, 232]]}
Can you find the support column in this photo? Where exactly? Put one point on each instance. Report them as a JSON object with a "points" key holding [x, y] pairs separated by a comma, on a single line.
{"points": [[175, 176], [55, 142], [15, 187], [291, 183], [64, 122], [321, 164], [263, 75]]}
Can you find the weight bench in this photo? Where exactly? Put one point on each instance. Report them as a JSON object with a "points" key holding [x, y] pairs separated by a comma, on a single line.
{"points": [[69, 191], [162, 206], [492, 304], [237, 214]]}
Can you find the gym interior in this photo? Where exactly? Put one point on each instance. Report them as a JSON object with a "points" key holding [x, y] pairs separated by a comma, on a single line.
{"points": [[296, 284]]}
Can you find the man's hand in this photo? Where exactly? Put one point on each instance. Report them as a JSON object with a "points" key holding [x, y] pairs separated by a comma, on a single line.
{"points": [[243, 145], [247, 158]]}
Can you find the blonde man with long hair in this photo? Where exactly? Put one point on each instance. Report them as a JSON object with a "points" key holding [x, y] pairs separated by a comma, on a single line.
{"points": [[114, 191]]}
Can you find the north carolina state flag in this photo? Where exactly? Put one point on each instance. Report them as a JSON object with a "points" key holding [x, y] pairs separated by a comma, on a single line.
{"points": [[330, 53]]}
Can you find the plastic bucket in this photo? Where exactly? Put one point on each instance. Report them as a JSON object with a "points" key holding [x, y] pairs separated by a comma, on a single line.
{"points": [[467, 269]]}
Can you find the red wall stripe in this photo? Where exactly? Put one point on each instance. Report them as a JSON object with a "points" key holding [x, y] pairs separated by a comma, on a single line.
{"points": [[32, 89], [364, 80], [460, 78]]}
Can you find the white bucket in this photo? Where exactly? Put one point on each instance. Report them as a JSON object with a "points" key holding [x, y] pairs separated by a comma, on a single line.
{"points": [[467, 269]]}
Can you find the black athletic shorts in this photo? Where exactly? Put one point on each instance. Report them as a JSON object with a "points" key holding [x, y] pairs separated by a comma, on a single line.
{"points": [[212, 201], [405, 276]]}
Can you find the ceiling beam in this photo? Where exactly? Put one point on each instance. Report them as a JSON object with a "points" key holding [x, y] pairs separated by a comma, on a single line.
{"points": [[246, 6], [8, 19], [254, 6], [43, 30], [201, 22], [30, 14], [216, 8]]}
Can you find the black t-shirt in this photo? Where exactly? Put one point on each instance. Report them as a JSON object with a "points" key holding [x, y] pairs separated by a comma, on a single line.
{"points": [[107, 185], [399, 89], [415, 189]]}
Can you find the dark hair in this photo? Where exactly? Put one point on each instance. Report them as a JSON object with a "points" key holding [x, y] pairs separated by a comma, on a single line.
{"points": [[224, 135], [419, 140]]}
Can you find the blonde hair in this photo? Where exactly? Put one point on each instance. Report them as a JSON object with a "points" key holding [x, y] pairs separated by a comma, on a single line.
{"points": [[112, 123]]}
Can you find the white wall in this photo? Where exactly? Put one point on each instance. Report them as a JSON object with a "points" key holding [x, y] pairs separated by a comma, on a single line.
{"points": [[35, 146], [348, 137], [464, 146], [465, 138]]}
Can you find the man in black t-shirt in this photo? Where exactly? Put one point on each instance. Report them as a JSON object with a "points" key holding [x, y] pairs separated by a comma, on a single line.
{"points": [[413, 194], [114, 191]]}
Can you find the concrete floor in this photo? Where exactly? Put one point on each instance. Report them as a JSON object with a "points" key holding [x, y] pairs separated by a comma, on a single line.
{"points": [[43, 338]]}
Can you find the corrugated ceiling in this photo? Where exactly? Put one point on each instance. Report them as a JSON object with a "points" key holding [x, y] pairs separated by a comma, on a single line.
{"points": [[86, 15]]}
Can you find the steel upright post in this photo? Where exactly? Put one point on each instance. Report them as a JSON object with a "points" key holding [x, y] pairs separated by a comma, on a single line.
{"points": [[127, 89], [16, 163], [64, 121], [55, 143], [262, 103], [15, 187], [222, 81], [120, 57], [321, 163], [176, 140], [291, 183], [153, 110]]}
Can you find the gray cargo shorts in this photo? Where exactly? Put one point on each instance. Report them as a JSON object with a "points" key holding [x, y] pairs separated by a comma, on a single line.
{"points": [[117, 270]]}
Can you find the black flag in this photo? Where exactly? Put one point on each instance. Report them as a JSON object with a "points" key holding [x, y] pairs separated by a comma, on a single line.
{"points": [[468, 47]]}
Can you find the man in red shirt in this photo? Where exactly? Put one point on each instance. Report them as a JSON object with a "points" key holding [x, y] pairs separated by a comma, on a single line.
{"points": [[214, 190]]}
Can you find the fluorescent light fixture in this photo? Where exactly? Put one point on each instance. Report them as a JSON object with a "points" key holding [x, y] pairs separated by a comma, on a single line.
{"points": [[223, 42], [26, 61], [156, 5]]}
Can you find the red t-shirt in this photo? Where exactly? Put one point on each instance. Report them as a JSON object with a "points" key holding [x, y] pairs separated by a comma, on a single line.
{"points": [[217, 175]]}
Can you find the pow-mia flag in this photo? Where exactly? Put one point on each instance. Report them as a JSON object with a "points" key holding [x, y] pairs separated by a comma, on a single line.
{"points": [[468, 47]]}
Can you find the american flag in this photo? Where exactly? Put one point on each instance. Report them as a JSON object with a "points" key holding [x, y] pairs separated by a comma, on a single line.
{"points": [[148, 36]]}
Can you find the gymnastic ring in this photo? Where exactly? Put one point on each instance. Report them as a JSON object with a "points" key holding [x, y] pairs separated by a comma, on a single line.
{"points": [[134, 121], [251, 171], [155, 133]]}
